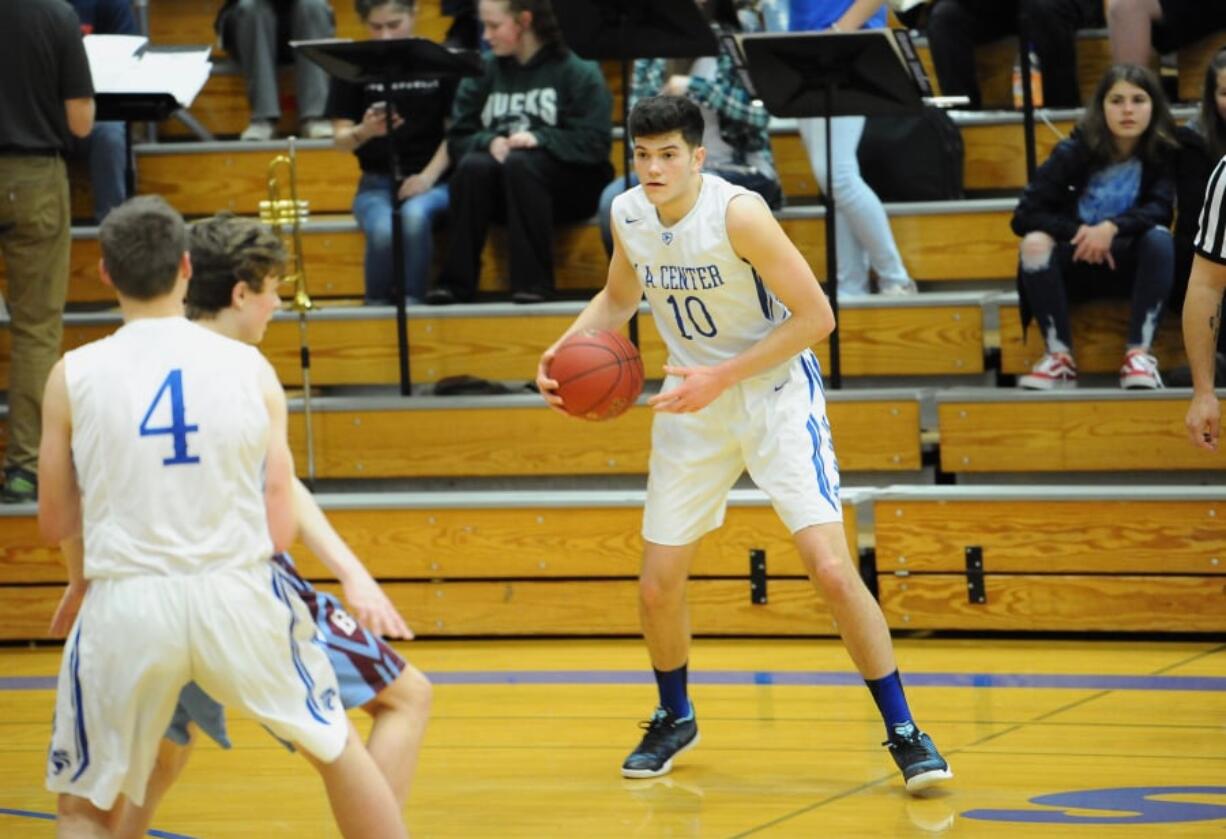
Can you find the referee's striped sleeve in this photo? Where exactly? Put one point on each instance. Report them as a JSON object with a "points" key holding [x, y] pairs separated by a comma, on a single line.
{"points": [[1211, 238]]}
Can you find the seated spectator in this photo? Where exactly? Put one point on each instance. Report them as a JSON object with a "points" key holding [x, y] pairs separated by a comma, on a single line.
{"points": [[257, 33], [106, 147], [1167, 25], [864, 239], [1202, 143], [531, 140], [1095, 222], [956, 27], [419, 112], [737, 142]]}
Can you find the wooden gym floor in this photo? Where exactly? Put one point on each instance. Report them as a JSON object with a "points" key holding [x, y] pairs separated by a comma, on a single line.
{"points": [[1050, 738]]}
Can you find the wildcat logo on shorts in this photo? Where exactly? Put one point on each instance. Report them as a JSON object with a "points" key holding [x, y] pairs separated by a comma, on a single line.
{"points": [[59, 761], [667, 236], [328, 699]]}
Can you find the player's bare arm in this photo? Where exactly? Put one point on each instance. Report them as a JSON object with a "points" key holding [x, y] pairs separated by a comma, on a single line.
{"points": [[279, 465], [73, 551], [59, 497], [366, 600], [612, 306], [1202, 320], [857, 15], [756, 236]]}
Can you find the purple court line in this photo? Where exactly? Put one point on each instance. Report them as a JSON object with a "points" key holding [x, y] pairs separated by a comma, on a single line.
{"points": [[33, 814], [780, 678]]}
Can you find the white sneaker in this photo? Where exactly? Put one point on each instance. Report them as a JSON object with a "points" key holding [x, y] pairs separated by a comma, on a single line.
{"points": [[259, 130], [1140, 371], [1055, 371], [317, 129], [899, 289]]}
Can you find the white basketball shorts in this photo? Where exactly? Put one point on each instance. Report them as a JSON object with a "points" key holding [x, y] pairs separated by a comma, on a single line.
{"points": [[240, 633], [774, 426]]}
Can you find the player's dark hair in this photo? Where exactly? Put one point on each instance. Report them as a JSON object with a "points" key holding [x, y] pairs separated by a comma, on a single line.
{"points": [[1158, 137], [365, 7], [228, 250], [142, 241], [657, 115]]}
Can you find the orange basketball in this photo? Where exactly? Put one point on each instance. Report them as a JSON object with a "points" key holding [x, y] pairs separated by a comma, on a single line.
{"points": [[599, 374]]}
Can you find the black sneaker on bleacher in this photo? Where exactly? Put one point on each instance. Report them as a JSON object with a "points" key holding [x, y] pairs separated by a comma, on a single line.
{"points": [[528, 296], [917, 757], [666, 738], [440, 297]]}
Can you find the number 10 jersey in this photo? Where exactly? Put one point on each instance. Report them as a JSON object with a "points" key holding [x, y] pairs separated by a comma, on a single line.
{"points": [[169, 438], [709, 304]]}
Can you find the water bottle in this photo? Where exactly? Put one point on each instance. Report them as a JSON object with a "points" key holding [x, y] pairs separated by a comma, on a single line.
{"points": [[1036, 80]]}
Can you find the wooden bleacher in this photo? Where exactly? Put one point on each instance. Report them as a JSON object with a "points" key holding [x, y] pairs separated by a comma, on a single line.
{"points": [[562, 561], [998, 430], [1085, 559], [499, 563], [940, 241], [933, 334], [516, 436]]}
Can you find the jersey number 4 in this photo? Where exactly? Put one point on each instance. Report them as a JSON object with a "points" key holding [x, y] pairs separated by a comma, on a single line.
{"points": [[178, 428]]}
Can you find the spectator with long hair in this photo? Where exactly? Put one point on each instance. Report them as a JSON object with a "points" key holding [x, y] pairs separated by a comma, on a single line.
{"points": [[531, 138], [1095, 221]]}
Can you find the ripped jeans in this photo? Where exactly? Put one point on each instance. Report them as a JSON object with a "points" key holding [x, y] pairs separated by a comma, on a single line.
{"points": [[1049, 277]]}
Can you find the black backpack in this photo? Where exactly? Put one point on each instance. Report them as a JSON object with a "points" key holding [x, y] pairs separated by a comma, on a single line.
{"points": [[913, 158]]}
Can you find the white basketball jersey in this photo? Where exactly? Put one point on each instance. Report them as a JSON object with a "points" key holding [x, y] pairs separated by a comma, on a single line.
{"points": [[169, 439], [709, 304]]}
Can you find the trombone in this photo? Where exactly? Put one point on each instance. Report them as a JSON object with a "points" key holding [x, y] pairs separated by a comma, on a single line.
{"points": [[288, 213]]}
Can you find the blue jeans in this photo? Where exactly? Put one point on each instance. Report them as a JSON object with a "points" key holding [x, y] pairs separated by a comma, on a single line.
{"points": [[372, 207], [105, 148], [1144, 270]]}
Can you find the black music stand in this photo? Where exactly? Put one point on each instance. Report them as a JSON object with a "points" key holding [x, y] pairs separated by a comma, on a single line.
{"points": [[623, 30], [129, 108], [829, 74], [388, 62]]}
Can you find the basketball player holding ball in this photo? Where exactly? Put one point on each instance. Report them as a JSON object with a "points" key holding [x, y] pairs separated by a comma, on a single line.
{"points": [[738, 308]]}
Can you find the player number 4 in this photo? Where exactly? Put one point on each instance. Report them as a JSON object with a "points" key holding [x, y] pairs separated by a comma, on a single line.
{"points": [[178, 428]]}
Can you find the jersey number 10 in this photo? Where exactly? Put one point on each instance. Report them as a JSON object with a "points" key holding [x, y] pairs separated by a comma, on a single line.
{"points": [[697, 315], [178, 428]]}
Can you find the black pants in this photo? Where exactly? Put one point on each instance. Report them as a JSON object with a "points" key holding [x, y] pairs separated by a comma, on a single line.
{"points": [[1144, 270], [956, 27], [1187, 21], [530, 191]]}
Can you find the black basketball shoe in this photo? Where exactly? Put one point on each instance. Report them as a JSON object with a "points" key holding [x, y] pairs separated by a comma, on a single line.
{"points": [[666, 738], [917, 757]]}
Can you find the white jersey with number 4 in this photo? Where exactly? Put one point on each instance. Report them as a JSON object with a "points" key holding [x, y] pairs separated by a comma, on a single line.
{"points": [[709, 304], [170, 434]]}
